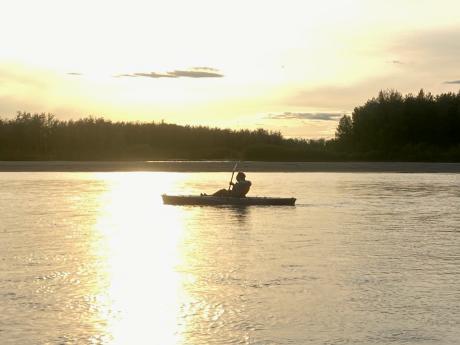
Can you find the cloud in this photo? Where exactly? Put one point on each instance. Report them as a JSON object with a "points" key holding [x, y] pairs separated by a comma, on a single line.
{"points": [[14, 75], [423, 59], [396, 62], [75, 73], [210, 69], [337, 97], [196, 72], [305, 116], [434, 51], [146, 75]]}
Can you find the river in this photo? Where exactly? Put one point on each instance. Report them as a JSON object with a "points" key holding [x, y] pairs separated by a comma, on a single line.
{"points": [[96, 258]]}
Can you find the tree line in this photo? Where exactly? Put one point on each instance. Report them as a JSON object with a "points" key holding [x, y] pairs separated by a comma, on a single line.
{"points": [[391, 126], [388, 127], [44, 137]]}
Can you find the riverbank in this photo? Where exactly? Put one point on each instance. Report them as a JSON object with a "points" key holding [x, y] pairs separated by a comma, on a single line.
{"points": [[216, 166]]}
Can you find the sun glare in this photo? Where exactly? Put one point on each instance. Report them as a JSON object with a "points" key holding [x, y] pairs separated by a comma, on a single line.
{"points": [[140, 243]]}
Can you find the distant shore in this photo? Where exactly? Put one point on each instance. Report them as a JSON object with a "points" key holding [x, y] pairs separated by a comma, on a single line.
{"points": [[225, 166]]}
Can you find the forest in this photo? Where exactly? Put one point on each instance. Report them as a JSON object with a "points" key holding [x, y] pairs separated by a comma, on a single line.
{"points": [[394, 127], [43, 137], [389, 127]]}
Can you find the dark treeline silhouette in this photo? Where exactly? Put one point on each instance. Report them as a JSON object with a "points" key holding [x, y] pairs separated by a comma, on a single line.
{"points": [[43, 137], [395, 127], [387, 128]]}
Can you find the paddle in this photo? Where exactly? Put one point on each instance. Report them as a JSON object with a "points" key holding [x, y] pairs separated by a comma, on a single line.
{"points": [[231, 179]]}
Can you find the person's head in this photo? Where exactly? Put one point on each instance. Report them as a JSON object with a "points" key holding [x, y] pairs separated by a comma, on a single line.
{"points": [[240, 176]]}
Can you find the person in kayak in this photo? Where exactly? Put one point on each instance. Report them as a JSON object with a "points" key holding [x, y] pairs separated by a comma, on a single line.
{"points": [[239, 189]]}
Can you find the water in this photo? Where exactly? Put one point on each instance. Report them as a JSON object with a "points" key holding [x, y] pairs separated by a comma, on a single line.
{"points": [[95, 258]]}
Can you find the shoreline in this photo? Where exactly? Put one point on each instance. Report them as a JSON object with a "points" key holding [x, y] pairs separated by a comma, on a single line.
{"points": [[225, 166]]}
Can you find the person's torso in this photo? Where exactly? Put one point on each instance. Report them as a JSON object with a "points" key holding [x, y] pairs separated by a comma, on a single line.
{"points": [[241, 188]]}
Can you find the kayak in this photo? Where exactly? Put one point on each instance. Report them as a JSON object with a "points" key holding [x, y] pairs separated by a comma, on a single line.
{"points": [[225, 200]]}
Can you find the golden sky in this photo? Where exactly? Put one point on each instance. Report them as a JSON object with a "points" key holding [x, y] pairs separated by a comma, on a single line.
{"points": [[293, 66]]}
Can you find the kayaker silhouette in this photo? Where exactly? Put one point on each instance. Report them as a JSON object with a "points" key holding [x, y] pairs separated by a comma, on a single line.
{"points": [[238, 189]]}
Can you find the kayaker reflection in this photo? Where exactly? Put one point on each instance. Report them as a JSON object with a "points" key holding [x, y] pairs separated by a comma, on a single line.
{"points": [[238, 189]]}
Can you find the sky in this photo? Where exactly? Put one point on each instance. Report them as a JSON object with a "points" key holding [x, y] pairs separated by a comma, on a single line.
{"points": [[289, 66]]}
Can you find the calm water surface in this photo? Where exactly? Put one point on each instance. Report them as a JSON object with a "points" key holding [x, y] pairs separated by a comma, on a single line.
{"points": [[95, 258]]}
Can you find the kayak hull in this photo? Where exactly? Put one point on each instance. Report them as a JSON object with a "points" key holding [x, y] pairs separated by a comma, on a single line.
{"points": [[225, 200]]}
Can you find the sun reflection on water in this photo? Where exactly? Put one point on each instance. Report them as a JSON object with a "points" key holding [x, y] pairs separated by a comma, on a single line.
{"points": [[140, 243]]}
